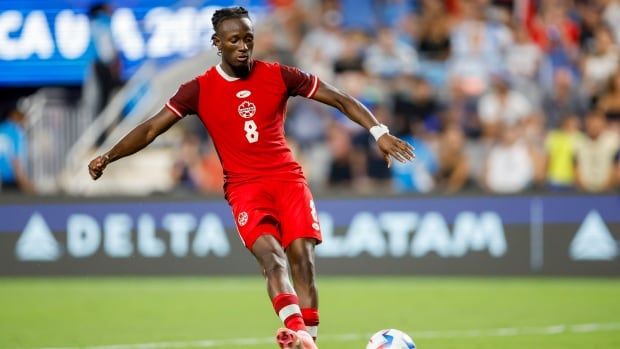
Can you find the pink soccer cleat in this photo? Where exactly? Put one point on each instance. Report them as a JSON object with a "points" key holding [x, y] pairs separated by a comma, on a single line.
{"points": [[289, 339]]}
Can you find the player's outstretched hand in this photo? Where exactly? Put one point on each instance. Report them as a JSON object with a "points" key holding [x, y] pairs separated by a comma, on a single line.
{"points": [[395, 147], [97, 165]]}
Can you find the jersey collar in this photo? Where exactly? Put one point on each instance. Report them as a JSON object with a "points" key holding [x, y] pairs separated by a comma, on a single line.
{"points": [[224, 75]]}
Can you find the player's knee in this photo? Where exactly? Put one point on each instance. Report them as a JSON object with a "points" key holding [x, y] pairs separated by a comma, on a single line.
{"points": [[275, 263]]}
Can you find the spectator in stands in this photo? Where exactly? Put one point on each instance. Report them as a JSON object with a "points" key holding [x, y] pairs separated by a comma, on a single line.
{"points": [[415, 102], [463, 110], [554, 24], [434, 32], [560, 149], [510, 166], [609, 102], [198, 168], [523, 56], [187, 171], [589, 16], [563, 100], [417, 176], [307, 122], [477, 49], [433, 42], [558, 36], [351, 57], [14, 155], [502, 106], [287, 23], [596, 155], [340, 146], [454, 165], [322, 45], [600, 63], [611, 15], [388, 57], [106, 66], [269, 48], [523, 59], [366, 89], [370, 174]]}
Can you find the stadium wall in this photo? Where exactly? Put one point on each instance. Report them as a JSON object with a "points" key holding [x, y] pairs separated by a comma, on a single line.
{"points": [[457, 235]]}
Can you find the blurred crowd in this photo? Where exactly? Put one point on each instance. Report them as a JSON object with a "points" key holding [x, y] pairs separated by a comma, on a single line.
{"points": [[500, 96]]}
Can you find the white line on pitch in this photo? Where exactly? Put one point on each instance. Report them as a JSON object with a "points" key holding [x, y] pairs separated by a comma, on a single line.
{"points": [[494, 332]]}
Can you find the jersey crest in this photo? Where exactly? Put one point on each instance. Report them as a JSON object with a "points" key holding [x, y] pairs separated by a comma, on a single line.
{"points": [[246, 109]]}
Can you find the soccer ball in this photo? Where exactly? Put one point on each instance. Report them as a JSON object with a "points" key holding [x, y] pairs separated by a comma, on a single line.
{"points": [[390, 339]]}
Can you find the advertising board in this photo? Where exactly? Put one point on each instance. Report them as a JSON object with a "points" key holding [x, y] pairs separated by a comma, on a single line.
{"points": [[515, 235]]}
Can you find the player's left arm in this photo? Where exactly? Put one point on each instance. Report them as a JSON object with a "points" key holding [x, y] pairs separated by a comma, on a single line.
{"points": [[357, 112]]}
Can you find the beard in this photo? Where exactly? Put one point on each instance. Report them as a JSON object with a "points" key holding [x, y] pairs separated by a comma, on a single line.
{"points": [[242, 70]]}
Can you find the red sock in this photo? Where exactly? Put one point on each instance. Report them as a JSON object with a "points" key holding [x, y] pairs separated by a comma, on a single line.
{"points": [[287, 308], [311, 319]]}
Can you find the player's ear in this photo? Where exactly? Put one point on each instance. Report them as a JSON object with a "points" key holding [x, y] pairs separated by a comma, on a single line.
{"points": [[215, 41]]}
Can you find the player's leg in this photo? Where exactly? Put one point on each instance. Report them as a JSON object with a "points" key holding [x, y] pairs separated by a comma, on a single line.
{"points": [[301, 260], [258, 227], [299, 226], [271, 257]]}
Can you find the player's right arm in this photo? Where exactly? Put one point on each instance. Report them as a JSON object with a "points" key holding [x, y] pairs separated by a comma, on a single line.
{"points": [[141, 136], [184, 102]]}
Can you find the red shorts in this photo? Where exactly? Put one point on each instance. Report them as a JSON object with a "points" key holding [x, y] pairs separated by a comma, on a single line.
{"points": [[283, 209]]}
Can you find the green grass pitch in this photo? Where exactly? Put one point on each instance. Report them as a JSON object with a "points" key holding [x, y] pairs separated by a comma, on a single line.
{"points": [[443, 313]]}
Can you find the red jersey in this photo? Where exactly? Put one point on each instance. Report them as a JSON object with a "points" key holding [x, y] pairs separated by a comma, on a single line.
{"points": [[245, 117]]}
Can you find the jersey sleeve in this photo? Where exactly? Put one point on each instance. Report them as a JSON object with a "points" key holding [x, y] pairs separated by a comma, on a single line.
{"points": [[299, 83], [185, 101]]}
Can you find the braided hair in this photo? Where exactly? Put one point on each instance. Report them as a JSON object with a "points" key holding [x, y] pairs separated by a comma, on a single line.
{"points": [[227, 13]]}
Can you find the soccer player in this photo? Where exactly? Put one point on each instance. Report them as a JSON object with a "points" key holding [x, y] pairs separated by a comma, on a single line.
{"points": [[242, 102]]}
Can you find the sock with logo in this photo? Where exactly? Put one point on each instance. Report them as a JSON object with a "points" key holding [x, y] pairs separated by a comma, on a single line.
{"points": [[311, 320], [286, 306]]}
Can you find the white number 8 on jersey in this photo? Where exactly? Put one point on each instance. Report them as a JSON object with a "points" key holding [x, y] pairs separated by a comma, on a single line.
{"points": [[251, 131]]}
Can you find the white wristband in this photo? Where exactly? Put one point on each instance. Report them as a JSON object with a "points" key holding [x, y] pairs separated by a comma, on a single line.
{"points": [[378, 131]]}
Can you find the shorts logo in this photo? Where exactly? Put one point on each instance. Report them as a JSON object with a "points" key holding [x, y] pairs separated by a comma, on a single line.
{"points": [[246, 109], [315, 217], [243, 94], [242, 219]]}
